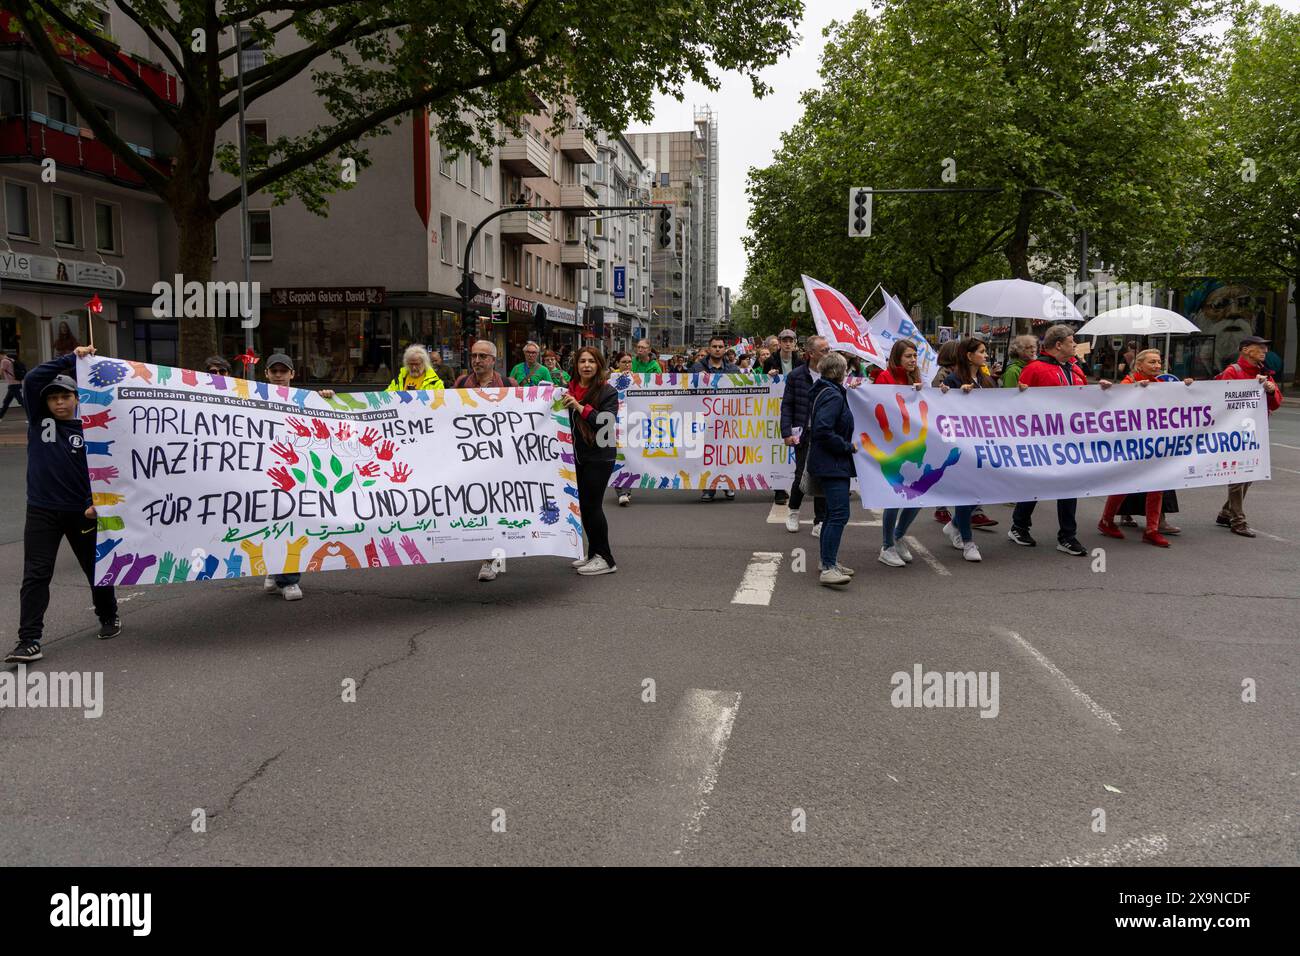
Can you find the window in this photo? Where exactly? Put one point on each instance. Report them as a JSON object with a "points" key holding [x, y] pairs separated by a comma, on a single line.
{"points": [[600, 274], [11, 97], [252, 55], [487, 181], [445, 161], [528, 270], [65, 220], [462, 235], [259, 233], [98, 19], [546, 271], [107, 227], [489, 251], [462, 169], [444, 237], [643, 257], [18, 218], [58, 108], [256, 129], [475, 176], [600, 226]]}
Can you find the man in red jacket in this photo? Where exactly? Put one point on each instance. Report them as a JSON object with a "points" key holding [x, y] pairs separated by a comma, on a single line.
{"points": [[1055, 365], [1249, 365]]}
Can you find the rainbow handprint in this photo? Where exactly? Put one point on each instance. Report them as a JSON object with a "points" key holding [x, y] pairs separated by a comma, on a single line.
{"points": [[908, 451]]}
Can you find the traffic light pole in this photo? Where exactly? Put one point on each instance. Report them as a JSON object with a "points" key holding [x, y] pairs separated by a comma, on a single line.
{"points": [[467, 288]]}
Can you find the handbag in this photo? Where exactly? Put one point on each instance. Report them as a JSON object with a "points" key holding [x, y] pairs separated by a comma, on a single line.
{"points": [[809, 483]]}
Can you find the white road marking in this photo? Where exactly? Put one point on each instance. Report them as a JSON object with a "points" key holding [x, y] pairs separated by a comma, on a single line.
{"points": [[693, 751], [1278, 444], [1096, 709], [759, 582], [927, 557], [779, 513], [1150, 845], [1272, 537], [122, 599], [1290, 471]]}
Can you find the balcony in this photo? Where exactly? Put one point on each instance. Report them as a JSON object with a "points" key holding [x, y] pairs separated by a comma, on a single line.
{"points": [[37, 137], [531, 225], [525, 157], [576, 194], [165, 84], [575, 254], [576, 145]]}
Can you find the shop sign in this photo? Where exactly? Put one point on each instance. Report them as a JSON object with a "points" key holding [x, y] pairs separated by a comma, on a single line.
{"points": [[72, 272], [318, 297]]}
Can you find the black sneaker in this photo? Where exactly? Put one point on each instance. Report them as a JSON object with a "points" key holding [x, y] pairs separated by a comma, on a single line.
{"points": [[1022, 537], [1223, 521], [25, 653], [1072, 546], [110, 629]]}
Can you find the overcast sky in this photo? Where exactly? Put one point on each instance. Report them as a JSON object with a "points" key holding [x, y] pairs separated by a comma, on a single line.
{"points": [[749, 130]]}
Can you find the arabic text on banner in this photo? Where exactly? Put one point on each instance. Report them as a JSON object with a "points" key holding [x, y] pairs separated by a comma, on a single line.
{"points": [[196, 476], [926, 448]]}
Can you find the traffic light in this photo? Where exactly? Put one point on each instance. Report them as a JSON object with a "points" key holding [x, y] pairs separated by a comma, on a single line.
{"points": [[665, 232], [859, 212]]}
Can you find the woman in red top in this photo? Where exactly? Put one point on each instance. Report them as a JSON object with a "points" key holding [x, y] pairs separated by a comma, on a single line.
{"points": [[894, 522], [593, 410], [1146, 369]]}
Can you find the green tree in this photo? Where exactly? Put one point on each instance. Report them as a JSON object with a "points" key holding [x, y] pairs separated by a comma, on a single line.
{"points": [[473, 64]]}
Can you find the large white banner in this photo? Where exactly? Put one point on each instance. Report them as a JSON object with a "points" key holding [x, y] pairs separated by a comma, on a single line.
{"points": [[701, 431], [196, 476], [923, 449]]}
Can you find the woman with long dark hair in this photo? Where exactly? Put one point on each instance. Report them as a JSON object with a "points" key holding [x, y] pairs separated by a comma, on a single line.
{"points": [[593, 407], [894, 522], [967, 374]]}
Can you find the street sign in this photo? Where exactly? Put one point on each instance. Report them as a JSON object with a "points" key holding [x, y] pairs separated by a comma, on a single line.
{"points": [[620, 282], [473, 288]]}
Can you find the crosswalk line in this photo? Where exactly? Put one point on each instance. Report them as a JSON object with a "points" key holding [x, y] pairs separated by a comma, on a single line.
{"points": [[759, 581]]}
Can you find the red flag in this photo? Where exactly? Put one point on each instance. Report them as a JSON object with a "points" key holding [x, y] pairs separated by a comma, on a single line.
{"points": [[248, 358], [94, 305], [843, 326]]}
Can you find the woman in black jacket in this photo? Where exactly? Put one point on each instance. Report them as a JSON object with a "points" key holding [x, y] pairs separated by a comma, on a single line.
{"points": [[830, 460], [593, 408]]}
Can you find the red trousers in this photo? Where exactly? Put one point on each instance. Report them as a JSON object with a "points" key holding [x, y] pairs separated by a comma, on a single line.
{"points": [[1155, 503]]}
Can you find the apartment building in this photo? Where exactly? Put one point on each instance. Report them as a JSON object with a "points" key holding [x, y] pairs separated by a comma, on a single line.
{"points": [[77, 220], [621, 281]]}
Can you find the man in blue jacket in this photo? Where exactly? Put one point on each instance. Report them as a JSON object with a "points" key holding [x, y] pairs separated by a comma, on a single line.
{"points": [[795, 406], [59, 503]]}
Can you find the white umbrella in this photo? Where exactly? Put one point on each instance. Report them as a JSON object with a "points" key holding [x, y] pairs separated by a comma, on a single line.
{"points": [[1016, 299], [1139, 320]]}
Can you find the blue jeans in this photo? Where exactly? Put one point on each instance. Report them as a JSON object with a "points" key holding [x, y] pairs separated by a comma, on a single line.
{"points": [[837, 516], [961, 521], [895, 522], [284, 580]]}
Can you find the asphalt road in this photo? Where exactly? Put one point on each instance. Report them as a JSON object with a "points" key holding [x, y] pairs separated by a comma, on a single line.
{"points": [[771, 737]]}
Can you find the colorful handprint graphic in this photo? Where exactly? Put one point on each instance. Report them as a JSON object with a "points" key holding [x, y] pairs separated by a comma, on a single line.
{"points": [[891, 457]]}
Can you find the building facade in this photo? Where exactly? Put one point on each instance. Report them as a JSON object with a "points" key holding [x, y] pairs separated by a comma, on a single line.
{"points": [[620, 284]]}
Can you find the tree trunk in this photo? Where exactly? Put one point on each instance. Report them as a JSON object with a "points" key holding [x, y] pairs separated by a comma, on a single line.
{"points": [[194, 224], [1017, 247], [948, 282]]}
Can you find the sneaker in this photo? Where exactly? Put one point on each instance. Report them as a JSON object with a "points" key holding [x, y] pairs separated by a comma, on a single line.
{"points": [[731, 495], [832, 576], [576, 564], [970, 552], [954, 535], [291, 592], [1022, 537], [1156, 538], [1110, 529], [817, 529], [707, 495], [110, 629], [1223, 521], [269, 585], [25, 653], [903, 551], [598, 565], [891, 557], [982, 521], [843, 570], [1241, 528], [792, 522], [624, 500], [1072, 546], [942, 515], [487, 572]]}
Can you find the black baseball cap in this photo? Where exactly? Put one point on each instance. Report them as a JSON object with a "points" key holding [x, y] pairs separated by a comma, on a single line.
{"points": [[279, 358], [61, 383]]}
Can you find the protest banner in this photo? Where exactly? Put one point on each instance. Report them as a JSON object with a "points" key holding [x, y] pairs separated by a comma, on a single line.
{"points": [[840, 322], [701, 430], [196, 476], [892, 323], [925, 448]]}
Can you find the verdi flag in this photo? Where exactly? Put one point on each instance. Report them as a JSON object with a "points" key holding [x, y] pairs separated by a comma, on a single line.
{"points": [[836, 318]]}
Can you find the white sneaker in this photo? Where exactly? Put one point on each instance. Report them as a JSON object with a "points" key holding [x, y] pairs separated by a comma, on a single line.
{"points": [[954, 536], [891, 557], [580, 562], [831, 576], [291, 592], [487, 572], [817, 529], [598, 565], [970, 552], [792, 522], [624, 500], [843, 570], [269, 585], [903, 551]]}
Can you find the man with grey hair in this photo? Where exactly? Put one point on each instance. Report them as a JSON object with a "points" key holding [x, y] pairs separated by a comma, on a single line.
{"points": [[483, 364], [1055, 366], [531, 371], [795, 406]]}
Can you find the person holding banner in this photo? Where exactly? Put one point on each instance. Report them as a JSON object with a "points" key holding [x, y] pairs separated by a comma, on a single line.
{"points": [[894, 522], [531, 371], [830, 461], [1024, 348], [1054, 367], [1252, 351], [969, 373], [59, 502], [796, 402], [715, 362], [416, 373], [593, 409]]}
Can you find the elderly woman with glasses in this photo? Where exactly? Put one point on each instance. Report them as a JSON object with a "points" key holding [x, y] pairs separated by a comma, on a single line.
{"points": [[416, 373]]}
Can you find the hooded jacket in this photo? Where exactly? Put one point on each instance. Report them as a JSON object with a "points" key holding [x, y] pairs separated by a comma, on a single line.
{"points": [[1045, 371], [429, 382]]}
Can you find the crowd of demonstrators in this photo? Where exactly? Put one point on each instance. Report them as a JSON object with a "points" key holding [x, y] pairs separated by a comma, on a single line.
{"points": [[417, 372], [11, 373], [531, 371], [1251, 354], [796, 403], [593, 406]]}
